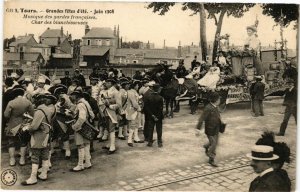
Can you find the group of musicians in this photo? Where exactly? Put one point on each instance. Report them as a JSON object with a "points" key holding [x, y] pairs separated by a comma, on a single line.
{"points": [[40, 114]]}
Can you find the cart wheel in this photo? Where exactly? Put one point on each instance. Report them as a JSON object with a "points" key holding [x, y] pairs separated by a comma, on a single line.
{"points": [[222, 107]]}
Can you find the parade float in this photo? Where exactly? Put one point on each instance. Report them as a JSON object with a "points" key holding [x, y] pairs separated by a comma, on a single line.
{"points": [[240, 65]]}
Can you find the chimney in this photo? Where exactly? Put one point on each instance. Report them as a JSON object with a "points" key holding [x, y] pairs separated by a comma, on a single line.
{"points": [[148, 45], [21, 56], [164, 43], [115, 32], [87, 29], [70, 37], [61, 31], [179, 50], [118, 32], [58, 41]]}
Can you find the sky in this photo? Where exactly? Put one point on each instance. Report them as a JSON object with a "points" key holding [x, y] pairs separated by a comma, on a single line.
{"points": [[138, 23]]}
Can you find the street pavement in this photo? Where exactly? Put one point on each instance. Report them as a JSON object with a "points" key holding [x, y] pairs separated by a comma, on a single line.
{"points": [[181, 158]]}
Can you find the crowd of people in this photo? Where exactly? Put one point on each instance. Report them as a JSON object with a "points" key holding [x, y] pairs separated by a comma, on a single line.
{"points": [[38, 114]]}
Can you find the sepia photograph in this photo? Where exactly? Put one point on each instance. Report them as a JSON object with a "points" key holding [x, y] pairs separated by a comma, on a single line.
{"points": [[149, 96]]}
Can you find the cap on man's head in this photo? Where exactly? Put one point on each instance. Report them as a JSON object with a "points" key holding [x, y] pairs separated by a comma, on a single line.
{"points": [[213, 97], [262, 152], [112, 80]]}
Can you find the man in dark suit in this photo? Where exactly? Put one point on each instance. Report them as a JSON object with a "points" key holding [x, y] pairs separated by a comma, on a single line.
{"points": [[212, 119], [80, 78], [146, 94], [268, 179], [67, 81], [290, 101], [257, 93], [154, 110]]}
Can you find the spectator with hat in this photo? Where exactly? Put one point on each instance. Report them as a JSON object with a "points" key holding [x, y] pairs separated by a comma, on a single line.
{"points": [[147, 92], [212, 119], [40, 128], [14, 115], [74, 86], [257, 94], [268, 179], [80, 78], [290, 103], [66, 80], [154, 110], [181, 71], [40, 86], [83, 113]]}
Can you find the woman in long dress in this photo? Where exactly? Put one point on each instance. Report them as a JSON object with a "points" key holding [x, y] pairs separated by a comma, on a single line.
{"points": [[252, 43], [211, 78]]}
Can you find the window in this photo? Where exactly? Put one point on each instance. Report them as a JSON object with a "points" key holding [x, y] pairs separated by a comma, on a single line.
{"points": [[88, 42], [135, 61], [107, 42], [99, 42]]}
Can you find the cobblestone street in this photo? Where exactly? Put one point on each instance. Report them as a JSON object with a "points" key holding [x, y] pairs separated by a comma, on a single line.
{"points": [[180, 165], [233, 174]]}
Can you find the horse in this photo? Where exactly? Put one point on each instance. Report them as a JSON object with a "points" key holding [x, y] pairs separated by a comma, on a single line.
{"points": [[173, 91]]}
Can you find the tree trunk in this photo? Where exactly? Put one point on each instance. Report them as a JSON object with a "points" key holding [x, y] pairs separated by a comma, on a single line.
{"points": [[218, 31], [203, 41]]}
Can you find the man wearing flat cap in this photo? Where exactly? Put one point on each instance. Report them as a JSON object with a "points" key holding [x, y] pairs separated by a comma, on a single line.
{"points": [[154, 110], [212, 119], [257, 93], [268, 179]]}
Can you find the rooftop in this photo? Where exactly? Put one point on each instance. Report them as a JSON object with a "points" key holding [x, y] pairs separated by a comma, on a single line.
{"points": [[100, 32], [16, 56], [21, 40], [93, 51]]}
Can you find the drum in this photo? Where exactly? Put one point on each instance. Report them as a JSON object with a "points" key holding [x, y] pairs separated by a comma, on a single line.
{"points": [[24, 136], [88, 131]]}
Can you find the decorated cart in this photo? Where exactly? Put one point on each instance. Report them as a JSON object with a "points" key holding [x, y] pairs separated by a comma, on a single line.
{"points": [[234, 87]]}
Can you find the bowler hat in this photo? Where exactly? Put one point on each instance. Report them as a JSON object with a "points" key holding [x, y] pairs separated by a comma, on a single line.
{"points": [[50, 96], [262, 152]]}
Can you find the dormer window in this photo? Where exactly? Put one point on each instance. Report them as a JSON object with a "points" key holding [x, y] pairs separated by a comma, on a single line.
{"points": [[107, 42], [88, 42], [99, 42]]}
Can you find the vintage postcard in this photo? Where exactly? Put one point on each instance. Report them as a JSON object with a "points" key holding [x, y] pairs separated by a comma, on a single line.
{"points": [[149, 96]]}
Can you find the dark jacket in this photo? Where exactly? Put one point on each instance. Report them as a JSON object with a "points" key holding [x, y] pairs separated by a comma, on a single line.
{"points": [[81, 80], [212, 119], [154, 105], [272, 181], [67, 81], [181, 72], [258, 91], [290, 98]]}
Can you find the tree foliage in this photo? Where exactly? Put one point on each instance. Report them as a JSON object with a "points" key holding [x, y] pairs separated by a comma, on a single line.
{"points": [[286, 12], [216, 11], [132, 45]]}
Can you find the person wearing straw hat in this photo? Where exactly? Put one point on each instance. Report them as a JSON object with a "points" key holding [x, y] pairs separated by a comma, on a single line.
{"points": [[83, 113], [40, 128], [268, 179], [257, 94], [14, 115]]}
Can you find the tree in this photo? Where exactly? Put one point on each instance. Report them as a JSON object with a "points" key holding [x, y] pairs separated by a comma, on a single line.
{"points": [[162, 8], [8, 41], [214, 10], [76, 52], [220, 10], [286, 12]]}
